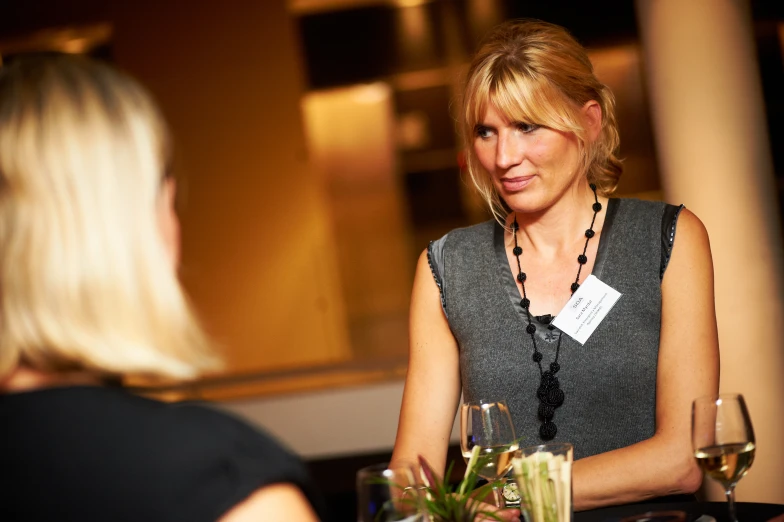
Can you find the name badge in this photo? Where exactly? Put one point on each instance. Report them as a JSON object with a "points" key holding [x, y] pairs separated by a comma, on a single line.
{"points": [[588, 307]]}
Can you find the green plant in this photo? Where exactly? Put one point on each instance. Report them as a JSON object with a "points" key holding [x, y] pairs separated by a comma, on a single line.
{"points": [[461, 503]]}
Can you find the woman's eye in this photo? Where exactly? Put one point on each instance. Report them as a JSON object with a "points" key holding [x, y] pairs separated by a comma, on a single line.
{"points": [[482, 131], [527, 127]]}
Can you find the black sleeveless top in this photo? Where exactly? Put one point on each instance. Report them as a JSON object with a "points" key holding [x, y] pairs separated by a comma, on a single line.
{"points": [[87, 453]]}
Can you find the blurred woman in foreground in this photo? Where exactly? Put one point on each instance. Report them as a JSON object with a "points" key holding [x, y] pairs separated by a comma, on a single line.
{"points": [[89, 245]]}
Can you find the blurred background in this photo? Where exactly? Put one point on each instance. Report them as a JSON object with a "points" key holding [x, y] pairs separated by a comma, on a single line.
{"points": [[317, 156]]}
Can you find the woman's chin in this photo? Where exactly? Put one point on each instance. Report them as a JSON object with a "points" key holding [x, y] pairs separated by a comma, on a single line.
{"points": [[524, 201]]}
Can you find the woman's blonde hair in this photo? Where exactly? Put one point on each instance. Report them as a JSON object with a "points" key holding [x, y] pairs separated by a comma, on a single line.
{"points": [[86, 282], [536, 72]]}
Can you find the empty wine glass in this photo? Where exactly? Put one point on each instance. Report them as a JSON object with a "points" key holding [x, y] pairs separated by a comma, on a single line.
{"points": [[488, 424], [723, 441], [387, 494]]}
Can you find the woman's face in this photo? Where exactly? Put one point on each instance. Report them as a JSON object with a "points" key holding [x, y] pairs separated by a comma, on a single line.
{"points": [[530, 166]]}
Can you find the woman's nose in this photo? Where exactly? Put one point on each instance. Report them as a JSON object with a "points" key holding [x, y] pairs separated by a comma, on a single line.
{"points": [[509, 151]]}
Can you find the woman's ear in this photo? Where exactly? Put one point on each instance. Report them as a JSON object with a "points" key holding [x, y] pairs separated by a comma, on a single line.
{"points": [[168, 221], [592, 112]]}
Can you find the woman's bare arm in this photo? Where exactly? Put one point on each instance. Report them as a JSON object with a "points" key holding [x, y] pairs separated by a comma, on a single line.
{"points": [[277, 502], [688, 367], [432, 390]]}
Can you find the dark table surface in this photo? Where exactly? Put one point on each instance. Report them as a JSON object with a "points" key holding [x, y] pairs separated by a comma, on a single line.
{"points": [[746, 511]]}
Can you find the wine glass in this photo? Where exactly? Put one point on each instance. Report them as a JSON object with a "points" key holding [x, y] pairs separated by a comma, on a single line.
{"points": [[723, 440], [488, 424], [387, 494]]}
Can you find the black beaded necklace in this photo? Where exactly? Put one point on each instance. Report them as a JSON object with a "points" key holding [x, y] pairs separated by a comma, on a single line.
{"points": [[549, 393]]}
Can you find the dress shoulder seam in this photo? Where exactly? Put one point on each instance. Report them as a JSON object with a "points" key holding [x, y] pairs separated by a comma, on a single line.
{"points": [[669, 223], [436, 275]]}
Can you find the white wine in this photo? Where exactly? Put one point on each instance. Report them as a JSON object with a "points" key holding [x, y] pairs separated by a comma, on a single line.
{"points": [[726, 463], [494, 461]]}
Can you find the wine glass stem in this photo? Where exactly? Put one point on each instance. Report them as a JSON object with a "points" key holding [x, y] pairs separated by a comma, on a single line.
{"points": [[499, 499], [730, 492]]}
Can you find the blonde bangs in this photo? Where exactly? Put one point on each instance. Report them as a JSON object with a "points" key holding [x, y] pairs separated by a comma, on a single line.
{"points": [[537, 102], [521, 97]]}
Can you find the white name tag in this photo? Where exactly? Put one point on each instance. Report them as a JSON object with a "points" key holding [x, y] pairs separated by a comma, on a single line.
{"points": [[588, 307]]}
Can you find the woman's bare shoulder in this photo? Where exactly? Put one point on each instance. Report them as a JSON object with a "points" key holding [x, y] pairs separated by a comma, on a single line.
{"points": [[277, 502]]}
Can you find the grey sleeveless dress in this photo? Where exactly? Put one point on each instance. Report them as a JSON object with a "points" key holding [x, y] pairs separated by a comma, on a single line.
{"points": [[610, 381]]}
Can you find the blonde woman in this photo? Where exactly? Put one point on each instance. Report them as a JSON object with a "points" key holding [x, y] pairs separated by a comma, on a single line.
{"points": [[89, 246], [541, 138]]}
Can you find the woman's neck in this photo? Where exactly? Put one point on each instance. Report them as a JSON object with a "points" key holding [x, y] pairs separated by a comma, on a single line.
{"points": [[24, 379], [554, 230]]}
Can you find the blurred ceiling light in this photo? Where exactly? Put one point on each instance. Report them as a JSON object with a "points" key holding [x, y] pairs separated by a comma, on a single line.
{"points": [[371, 93], [304, 7], [77, 39], [415, 39], [410, 3], [75, 45]]}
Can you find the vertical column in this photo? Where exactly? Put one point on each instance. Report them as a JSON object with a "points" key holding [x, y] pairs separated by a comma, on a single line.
{"points": [[714, 155]]}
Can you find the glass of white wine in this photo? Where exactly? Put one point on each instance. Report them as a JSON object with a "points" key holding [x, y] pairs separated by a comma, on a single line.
{"points": [[723, 440], [488, 424]]}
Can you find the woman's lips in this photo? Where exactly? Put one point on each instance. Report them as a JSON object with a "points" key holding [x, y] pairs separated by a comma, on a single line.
{"points": [[517, 183]]}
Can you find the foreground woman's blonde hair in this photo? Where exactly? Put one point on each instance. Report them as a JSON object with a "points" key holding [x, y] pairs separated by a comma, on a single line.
{"points": [[536, 72], [86, 282]]}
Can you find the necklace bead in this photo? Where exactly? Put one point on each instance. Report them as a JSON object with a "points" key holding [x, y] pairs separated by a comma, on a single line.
{"points": [[546, 412], [548, 430], [555, 396]]}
